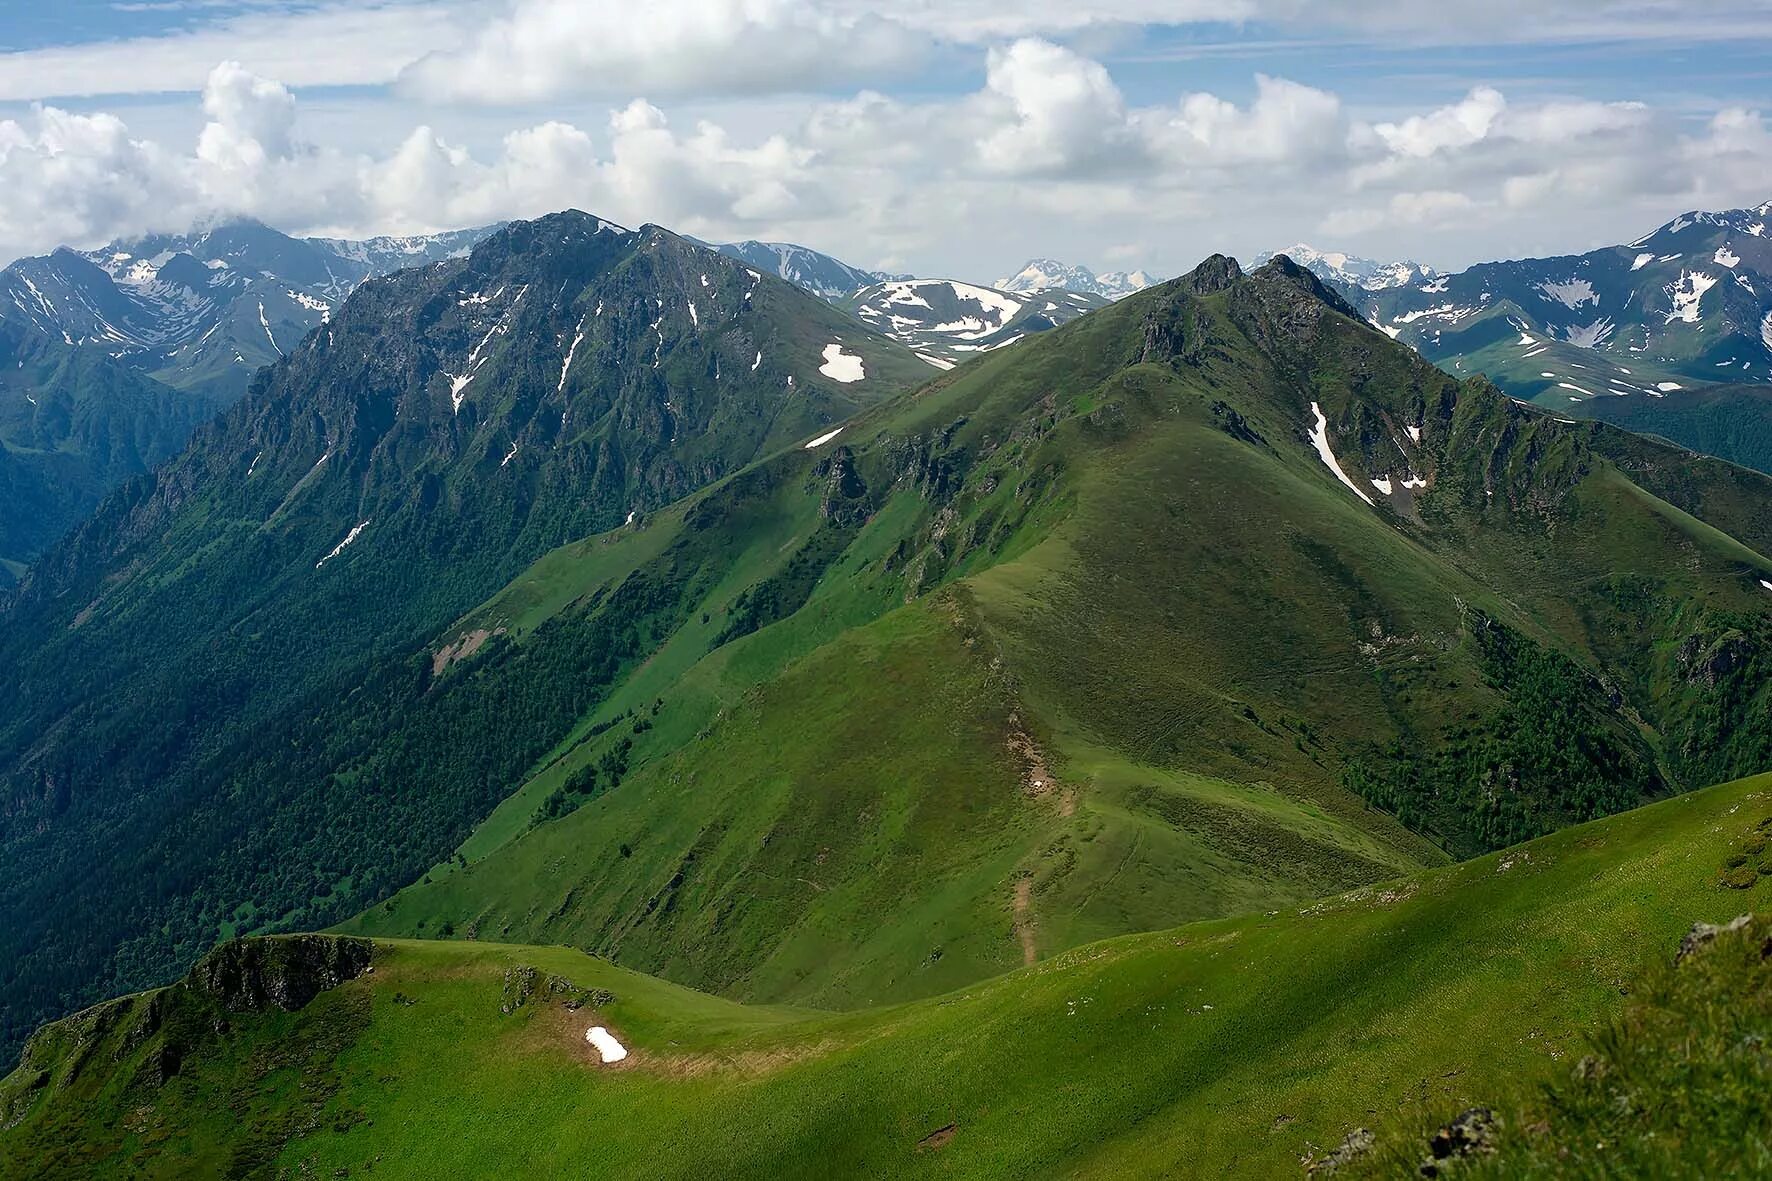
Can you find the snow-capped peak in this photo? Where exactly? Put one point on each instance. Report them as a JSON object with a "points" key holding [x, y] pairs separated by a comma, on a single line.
{"points": [[1045, 274], [1352, 270]]}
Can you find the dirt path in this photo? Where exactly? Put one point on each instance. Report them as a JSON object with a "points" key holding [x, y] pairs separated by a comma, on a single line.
{"points": [[1024, 918]]}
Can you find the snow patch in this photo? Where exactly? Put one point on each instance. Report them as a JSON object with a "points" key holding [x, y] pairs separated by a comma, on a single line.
{"points": [[267, 326], [935, 361], [1590, 336], [841, 366], [1766, 331], [1320, 440], [1414, 433], [1687, 295], [1383, 484], [578, 339], [1725, 257], [1565, 385], [608, 1049], [824, 438], [356, 532], [1668, 387], [1572, 293], [757, 362], [1642, 260], [1415, 482], [509, 455]]}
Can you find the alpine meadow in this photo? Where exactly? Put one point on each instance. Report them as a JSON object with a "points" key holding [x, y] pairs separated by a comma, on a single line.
{"points": [[514, 663]]}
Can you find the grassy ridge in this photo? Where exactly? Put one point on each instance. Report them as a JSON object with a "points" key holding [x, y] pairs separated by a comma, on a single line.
{"points": [[1234, 1046]]}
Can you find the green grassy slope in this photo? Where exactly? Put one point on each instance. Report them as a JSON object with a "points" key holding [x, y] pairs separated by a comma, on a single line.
{"points": [[1233, 1047], [1085, 639]]}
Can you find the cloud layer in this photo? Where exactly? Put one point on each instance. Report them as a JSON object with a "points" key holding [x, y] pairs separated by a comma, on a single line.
{"points": [[1045, 155]]}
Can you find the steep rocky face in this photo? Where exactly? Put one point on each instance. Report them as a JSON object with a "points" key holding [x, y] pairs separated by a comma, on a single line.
{"points": [[286, 972]]}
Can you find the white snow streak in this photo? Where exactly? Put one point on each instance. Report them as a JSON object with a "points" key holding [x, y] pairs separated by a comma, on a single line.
{"points": [[1687, 295], [577, 339], [338, 549], [824, 438], [1320, 439], [267, 325]]}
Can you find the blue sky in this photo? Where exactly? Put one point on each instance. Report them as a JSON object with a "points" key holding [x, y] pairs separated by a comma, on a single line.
{"points": [[942, 136]]}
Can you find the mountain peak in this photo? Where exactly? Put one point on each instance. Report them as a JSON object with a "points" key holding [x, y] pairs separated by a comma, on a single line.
{"points": [[1046, 274], [1350, 270], [1284, 269], [1215, 273]]}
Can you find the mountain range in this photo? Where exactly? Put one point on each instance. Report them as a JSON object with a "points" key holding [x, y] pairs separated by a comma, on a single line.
{"points": [[1345, 271], [946, 321], [1686, 305], [1046, 274], [824, 276], [204, 311], [447, 426], [714, 737], [120, 353]]}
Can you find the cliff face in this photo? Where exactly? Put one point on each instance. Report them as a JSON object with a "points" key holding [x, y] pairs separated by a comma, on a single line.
{"points": [[253, 975], [153, 1032]]}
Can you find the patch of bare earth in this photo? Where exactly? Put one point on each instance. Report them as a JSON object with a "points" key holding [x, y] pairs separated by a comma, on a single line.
{"points": [[557, 1027], [462, 649], [937, 1138]]}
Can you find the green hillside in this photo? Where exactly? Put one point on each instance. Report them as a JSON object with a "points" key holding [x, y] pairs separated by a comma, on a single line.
{"points": [[1728, 421], [196, 676], [1242, 1045], [1063, 647], [75, 423]]}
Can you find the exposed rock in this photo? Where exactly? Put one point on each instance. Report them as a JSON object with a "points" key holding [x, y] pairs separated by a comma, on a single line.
{"points": [[1355, 1145], [1216, 273], [283, 972], [519, 986], [1702, 935], [1283, 269], [1708, 661], [1472, 1133]]}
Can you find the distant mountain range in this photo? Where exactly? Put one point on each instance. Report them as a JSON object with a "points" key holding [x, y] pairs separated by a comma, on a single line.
{"points": [[1687, 305], [820, 274], [119, 353], [947, 321], [1350, 270], [1045, 274], [203, 311]]}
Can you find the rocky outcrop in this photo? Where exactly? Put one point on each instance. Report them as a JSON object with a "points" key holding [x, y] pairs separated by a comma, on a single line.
{"points": [[1473, 1133], [285, 972], [1702, 935]]}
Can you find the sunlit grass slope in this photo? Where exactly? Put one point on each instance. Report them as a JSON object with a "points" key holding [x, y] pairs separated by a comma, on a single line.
{"points": [[1232, 1047]]}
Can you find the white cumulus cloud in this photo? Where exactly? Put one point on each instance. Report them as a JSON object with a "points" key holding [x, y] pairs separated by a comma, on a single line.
{"points": [[553, 48]]}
